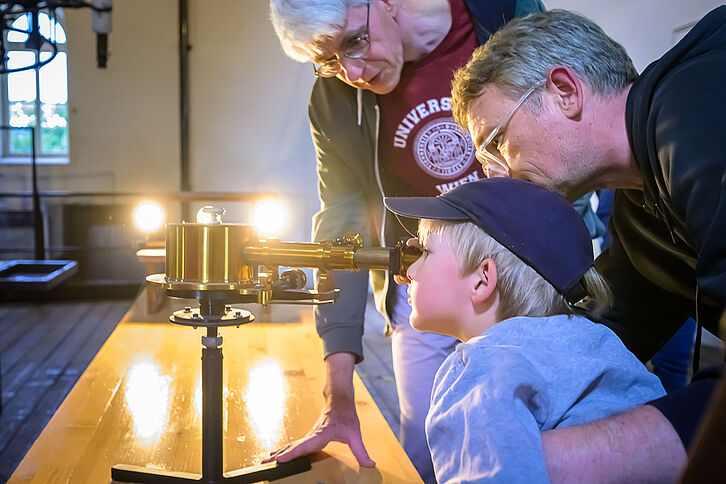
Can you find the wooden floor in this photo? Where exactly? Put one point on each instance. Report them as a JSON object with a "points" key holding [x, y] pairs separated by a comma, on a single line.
{"points": [[44, 348]]}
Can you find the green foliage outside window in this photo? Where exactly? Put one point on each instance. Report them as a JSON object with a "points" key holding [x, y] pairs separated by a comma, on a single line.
{"points": [[22, 114], [20, 142], [53, 128]]}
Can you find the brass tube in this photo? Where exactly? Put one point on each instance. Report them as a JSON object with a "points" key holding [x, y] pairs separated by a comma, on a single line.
{"points": [[327, 256], [299, 254]]}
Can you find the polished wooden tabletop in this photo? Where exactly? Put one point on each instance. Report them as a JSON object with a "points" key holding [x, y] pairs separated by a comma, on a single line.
{"points": [[139, 403]]}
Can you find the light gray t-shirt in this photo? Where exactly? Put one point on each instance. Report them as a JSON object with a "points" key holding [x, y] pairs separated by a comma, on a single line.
{"points": [[495, 393]]}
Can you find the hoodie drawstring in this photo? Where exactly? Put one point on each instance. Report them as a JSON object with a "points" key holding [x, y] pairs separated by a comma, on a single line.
{"points": [[359, 99]]}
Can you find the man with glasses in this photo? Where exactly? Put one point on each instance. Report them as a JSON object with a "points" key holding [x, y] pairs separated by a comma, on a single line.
{"points": [[381, 122], [552, 99]]}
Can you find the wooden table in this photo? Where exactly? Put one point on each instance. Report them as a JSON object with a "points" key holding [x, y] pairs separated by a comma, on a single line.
{"points": [[139, 403]]}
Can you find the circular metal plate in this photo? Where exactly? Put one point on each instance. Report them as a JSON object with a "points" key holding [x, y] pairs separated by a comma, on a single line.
{"points": [[192, 317]]}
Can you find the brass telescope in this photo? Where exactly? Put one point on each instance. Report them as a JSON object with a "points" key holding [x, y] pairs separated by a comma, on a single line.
{"points": [[231, 259], [220, 264]]}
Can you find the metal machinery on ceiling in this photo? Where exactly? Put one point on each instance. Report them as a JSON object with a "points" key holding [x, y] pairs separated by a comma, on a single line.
{"points": [[45, 41]]}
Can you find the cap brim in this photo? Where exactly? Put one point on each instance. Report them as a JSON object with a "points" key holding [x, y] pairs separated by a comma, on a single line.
{"points": [[424, 207]]}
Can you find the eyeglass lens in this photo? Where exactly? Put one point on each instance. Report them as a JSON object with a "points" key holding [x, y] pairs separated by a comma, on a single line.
{"points": [[353, 48]]}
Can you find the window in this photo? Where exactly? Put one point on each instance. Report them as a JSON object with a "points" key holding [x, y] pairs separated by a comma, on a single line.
{"points": [[35, 97]]}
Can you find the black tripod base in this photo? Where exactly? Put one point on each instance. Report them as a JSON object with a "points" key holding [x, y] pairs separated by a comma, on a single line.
{"points": [[263, 472]]}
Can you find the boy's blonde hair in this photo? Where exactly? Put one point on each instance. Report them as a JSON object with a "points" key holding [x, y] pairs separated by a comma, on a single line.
{"points": [[522, 291]]}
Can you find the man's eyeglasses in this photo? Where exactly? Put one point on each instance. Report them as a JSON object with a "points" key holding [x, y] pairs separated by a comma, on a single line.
{"points": [[488, 152], [353, 47]]}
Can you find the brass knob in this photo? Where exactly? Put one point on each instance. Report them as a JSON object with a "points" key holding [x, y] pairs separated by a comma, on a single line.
{"points": [[352, 238]]}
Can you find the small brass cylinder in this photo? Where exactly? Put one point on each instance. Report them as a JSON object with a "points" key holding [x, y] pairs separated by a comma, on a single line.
{"points": [[373, 258], [208, 253], [409, 257]]}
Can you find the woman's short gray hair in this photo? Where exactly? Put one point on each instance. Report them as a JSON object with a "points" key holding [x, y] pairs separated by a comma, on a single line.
{"points": [[522, 52], [522, 291], [301, 24]]}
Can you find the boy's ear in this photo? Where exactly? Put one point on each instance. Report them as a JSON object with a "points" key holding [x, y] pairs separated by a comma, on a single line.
{"points": [[484, 282]]}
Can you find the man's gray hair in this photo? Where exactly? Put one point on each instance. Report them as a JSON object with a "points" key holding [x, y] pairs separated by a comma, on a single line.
{"points": [[521, 54], [522, 291], [301, 24]]}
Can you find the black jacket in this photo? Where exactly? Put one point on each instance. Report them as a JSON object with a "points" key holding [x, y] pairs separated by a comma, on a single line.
{"points": [[668, 258]]}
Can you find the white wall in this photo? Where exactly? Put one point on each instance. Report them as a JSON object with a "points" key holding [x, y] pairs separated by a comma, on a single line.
{"points": [[646, 28], [249, 128]]}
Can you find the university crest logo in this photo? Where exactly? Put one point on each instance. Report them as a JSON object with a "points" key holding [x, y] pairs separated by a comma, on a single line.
{"points": [[442, 149]]}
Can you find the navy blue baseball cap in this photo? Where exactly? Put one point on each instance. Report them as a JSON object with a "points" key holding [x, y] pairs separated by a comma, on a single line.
{"points": [[536, 224]]}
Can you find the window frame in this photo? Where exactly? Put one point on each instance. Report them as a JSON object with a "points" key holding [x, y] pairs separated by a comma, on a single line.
{"points": [[6, 157]]}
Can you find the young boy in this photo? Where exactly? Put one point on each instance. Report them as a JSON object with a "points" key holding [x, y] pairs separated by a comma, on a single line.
{"points": [[504, 261]]}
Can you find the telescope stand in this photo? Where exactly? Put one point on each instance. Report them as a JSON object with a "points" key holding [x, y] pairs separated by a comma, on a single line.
{"points": [[211, 314]]}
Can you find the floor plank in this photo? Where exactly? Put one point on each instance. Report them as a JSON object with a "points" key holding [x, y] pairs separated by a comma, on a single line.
{"points": [[36, 345], [44, 350], [12, 313], [18, 328]]}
